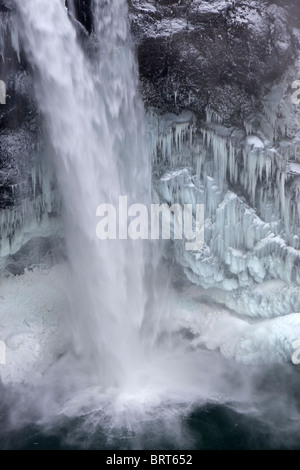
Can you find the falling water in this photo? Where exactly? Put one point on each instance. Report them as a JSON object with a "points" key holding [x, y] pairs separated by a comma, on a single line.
{"points": [[94, 119]]}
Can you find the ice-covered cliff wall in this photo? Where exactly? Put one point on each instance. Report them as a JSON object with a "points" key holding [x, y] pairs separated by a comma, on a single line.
{"points": [[231, 65]]}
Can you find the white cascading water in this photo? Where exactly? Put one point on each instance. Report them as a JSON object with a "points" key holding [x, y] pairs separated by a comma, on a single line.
{"points": [[95, 122], [94, 118]]}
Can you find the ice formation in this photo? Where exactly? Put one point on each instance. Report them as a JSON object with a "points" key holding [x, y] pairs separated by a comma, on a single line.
{"points": [[248, 180], [32, 216]]}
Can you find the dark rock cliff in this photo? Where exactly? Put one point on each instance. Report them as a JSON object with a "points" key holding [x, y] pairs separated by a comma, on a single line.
{"points": [[191, 54], [225, 54]]}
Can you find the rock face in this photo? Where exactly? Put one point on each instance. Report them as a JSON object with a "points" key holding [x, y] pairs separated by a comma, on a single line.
{"points": [[225, 54]]}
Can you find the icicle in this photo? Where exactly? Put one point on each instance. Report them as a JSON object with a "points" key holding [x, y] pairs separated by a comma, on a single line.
{"points": [[8, 30], [248, 127], [173, 135], [15, 39], [212, 116], [28, 217], [31, 212], [4, 22], [219, 148]]}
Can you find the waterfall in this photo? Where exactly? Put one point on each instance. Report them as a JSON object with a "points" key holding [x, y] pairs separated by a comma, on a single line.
{"points": [[137, 343], [94, 118]]}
